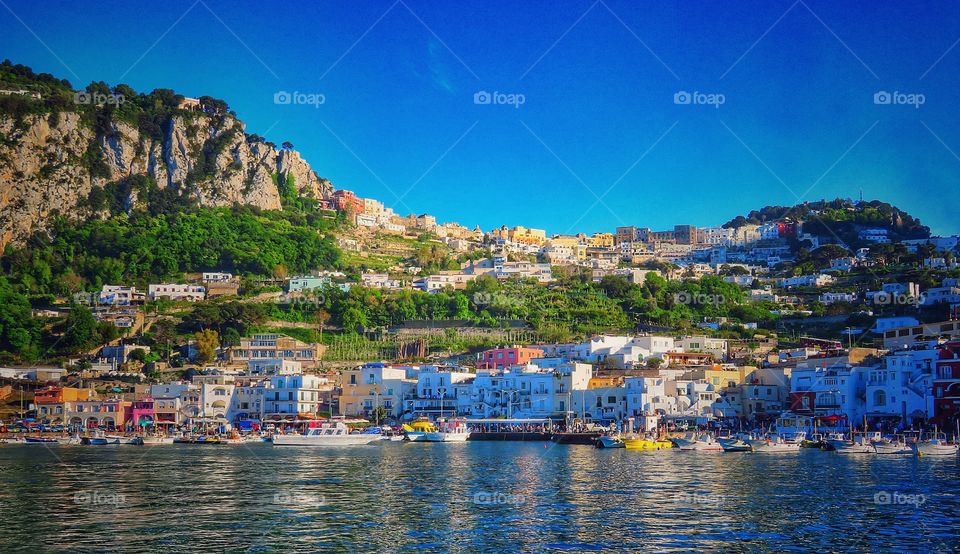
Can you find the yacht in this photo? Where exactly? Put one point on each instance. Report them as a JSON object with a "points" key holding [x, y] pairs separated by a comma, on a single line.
{"points": [[454, 430], [703, 442], [328, 434], [778, 443]]}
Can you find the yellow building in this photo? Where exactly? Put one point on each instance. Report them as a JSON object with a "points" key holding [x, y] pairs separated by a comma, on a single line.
{"points": [[600, 240], [367, 387]]}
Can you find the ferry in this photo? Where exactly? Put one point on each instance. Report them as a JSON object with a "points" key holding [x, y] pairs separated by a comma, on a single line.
{"points": [[328, 434]]}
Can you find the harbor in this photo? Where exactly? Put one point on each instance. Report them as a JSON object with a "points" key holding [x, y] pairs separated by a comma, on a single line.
{"points": [[471, 496]]}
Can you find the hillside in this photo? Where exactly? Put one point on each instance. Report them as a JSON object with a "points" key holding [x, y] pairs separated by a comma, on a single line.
{"points": [[65, 152]]}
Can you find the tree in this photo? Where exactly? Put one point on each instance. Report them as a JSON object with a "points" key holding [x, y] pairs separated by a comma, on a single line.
{"points": [[207, 342], [380, 415], [322, 317], [353, 319], [287, 145], [81, 329], [654, 363], [138, 354]]}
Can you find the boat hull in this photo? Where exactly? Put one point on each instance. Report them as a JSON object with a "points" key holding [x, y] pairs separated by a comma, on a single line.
{"points": [[610, 442], [153, 441], [331, 440], [445, 437], [847, 447], [646, 444], [892, 448], [934, 449]]}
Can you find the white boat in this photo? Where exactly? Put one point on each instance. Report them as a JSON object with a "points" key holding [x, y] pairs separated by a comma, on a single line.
{"points": [[935, 447], [454, 430], [737, 443], [704, 442], [610, 441], [157, 440], [777, 443], [328, 434], [857, 444], [892, 445]]}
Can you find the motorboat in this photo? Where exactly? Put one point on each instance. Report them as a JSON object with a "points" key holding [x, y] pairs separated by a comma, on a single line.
{"points": [[893, 445], [610, 441], [154, 440], [736, 443], [417, 431], [856, 444], [646, 443], [452, 430], [936, 446], [777, 443], [327, 434], [41, 440], [702, 442]]}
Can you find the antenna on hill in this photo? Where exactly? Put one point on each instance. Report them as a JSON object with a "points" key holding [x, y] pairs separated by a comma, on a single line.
{"points": [[861, 195]]}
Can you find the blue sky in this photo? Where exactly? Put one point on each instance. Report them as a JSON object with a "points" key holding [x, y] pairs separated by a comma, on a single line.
{"points": [[598, 141]]}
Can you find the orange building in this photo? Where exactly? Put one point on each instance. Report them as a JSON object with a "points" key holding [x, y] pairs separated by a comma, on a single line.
{"points": [[497, 358]]}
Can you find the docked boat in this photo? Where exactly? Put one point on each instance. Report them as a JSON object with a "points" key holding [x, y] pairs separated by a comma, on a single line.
{"points": [[775, 442], [41, 440], [702, 442], [646, 443], [99, 441], [453, 430], [893, 445], [935, 447], [328, 434], [610, 441], [736, 443], [856, 444], [156, 440], [417, 431]]}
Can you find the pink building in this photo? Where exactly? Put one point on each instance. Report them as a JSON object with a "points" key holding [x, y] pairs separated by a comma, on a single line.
{"points": [[142, 413], [498, 358]]}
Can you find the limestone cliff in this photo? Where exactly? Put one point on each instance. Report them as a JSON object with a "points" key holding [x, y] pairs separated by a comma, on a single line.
{"points": [[49, 163]]}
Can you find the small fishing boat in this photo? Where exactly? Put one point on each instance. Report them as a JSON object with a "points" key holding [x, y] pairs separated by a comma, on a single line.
{"points": [[154, 440], [646, 443], [702, 442], [935, 447], [736, 443], [856, 444], [610, 441], [99, 441], [774, 443], [449, 430], [40, 440], [893, 445], [417, 431], [328, 434]]}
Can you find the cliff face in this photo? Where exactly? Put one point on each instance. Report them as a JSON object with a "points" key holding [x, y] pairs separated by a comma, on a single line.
{"points": [[46, 168]]}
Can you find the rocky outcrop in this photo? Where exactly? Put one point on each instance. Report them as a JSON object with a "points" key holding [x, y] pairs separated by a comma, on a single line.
{"points": [[50, 163]]}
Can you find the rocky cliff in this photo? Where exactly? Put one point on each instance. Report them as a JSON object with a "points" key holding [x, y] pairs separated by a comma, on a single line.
{"points": [[50, 163]]}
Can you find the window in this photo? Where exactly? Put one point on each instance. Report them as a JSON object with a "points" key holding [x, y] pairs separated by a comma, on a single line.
{"points": [[879, 398]]}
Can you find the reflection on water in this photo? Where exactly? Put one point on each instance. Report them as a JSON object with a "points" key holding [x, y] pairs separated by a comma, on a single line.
{"points": [[483, 496]]}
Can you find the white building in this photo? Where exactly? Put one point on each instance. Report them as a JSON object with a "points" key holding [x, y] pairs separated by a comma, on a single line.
{"points": [[217, 277], [177, 292], [709, 345], [290, 395]]}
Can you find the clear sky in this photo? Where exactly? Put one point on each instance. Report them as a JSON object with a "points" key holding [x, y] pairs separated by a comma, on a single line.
{"points": [[599, 140]]}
